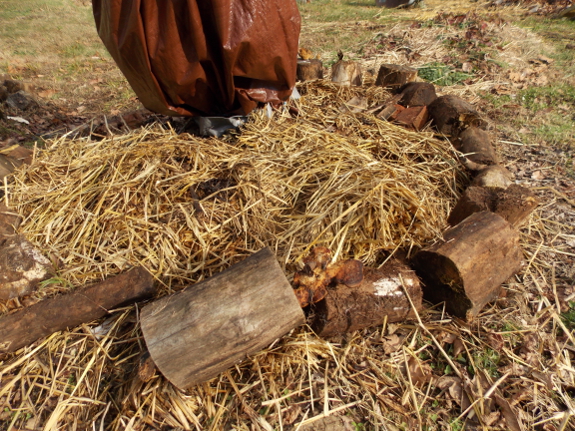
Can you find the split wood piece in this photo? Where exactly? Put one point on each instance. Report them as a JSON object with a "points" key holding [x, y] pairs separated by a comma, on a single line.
{"points": [[415, 117], [493, 176], [22, 267], [67, 311], [394, 75], [475, 144], [308, 70], [346, 72], [380, 294], [467, 269], [390, 112], [417, 94], [452, 114], [201, 331], [514, 204]]}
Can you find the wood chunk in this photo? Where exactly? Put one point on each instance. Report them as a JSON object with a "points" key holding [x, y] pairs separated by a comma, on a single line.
{"points": [[380, 294], [451, 115], [417, 94], [415, 117], [346, 72], [467, 269], [514, 204], [308, 70], [394, 75], [22, 267], [201, 331], [476, 145], [390, 112], [493, 176], [67, 311]]}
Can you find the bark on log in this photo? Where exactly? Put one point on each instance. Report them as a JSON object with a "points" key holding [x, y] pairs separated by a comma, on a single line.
{"points": [[417, 94], [346, 72], [22, 267], [467, 269], [308, 70], [67, 311], [394, 75], [514, 204], [451, 115], [493, 176], [201, 331], [380, 294], [476, 145]]}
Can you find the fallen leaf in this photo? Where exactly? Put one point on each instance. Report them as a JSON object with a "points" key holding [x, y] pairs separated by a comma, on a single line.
{"points": [[391, 343], [510, 417], [538, 175]]}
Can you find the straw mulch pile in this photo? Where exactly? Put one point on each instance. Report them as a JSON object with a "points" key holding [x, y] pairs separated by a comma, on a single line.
{"points": [[188, 207]]}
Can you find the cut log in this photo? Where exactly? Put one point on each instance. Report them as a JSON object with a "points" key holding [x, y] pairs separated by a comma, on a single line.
{"points": [[514, 204], [308, 70], [346, 72], [493, 176], [475, 144], [415, 117], [451, 115], [380, 294], [22, 267], [67, 311], [467, 269], [417, 94], [394, 75], [201, 331]]}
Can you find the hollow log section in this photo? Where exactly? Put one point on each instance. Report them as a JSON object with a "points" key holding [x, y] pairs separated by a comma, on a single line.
{"points": [[201, 331], [308, 70], [381, 294], [467, 269], [394, 75], [25, 326], [514, 204], [346, 72]]}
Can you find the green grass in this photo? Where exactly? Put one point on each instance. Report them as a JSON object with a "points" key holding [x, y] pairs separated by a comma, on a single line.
{"points": [[569, 317]]}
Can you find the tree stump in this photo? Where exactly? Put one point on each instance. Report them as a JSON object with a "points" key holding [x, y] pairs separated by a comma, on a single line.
{"points": [[380, 294], [476, 145], [308, 70], [451, 115], [417, 94], [67, 311], [394, 75], [514, 204], [346, 72], [201, 331], [467, 268]]}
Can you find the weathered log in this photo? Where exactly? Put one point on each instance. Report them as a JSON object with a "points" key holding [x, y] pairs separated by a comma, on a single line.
{"points": [[514, 204], [380, 294], [415, 117], [394, 75], [346, 72], [451, 115], [22, 267], [417, 94], [201, 331], [67, 311], [493, 176], [467, 268], [475, 143], [308, 70]]}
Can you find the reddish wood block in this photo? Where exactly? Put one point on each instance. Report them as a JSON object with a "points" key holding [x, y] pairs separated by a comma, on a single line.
{"points": [[415, 117]]}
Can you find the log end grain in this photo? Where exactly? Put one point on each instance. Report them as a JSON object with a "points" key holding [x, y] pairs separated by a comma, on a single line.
{"points": [[493, 176], [346, 72], [308, 70]]}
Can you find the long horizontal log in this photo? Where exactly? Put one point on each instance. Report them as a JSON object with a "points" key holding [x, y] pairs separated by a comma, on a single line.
{"points": [[25, 326]]}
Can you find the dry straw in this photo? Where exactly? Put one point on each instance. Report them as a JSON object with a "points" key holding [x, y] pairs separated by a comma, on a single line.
{"points": [[188, 207]]}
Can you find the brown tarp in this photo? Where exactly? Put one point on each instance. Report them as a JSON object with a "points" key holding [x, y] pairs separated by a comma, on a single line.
{"points": [[210, 57]]}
